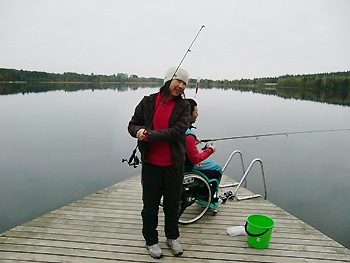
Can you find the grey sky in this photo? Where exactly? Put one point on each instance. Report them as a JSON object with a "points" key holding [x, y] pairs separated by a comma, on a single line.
{"points": [[241, 39]]}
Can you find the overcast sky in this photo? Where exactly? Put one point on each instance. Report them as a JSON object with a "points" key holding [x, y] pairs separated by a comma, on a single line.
{"points": [[241, 39]]}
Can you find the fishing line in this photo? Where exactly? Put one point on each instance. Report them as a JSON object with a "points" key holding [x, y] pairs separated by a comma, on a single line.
{"points": [[271, 134], [134, 160]]}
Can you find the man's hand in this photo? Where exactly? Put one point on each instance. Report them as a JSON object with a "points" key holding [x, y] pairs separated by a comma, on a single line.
{"points": [[141, 134]]}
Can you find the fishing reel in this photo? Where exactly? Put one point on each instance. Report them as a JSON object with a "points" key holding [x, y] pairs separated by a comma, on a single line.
{"points": [[133, 160], [206, 146]]}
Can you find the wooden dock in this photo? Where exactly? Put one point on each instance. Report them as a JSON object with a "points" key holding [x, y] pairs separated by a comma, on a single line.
{"points": [[106, 227]]}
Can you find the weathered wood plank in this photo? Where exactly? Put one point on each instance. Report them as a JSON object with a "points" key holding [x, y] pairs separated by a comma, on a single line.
{"points": [[210, 229]]}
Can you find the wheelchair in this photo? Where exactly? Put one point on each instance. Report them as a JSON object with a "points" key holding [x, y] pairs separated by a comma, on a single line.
{"points": [[199, 194]]}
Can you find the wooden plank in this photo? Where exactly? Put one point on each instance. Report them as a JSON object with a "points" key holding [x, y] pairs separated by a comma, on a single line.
{"points": [[127, 248], [106, 226]]}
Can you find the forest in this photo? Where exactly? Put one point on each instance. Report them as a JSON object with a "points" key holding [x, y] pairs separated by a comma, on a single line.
{"points": [[18, 76]]}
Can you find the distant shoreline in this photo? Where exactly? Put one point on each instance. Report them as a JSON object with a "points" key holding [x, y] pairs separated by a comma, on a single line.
{"points": [[82, 82]]}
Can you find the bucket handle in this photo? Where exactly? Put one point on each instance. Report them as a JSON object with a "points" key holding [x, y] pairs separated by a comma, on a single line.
{"points": [[254, 235]]}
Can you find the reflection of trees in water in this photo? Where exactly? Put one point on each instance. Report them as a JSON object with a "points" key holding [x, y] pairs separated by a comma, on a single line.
{"points": [[15, 88], [327, 96], [332, 93], [335, 95]]}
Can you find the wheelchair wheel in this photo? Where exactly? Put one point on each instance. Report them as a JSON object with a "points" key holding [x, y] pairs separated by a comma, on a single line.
{"points": [[196, 197]]}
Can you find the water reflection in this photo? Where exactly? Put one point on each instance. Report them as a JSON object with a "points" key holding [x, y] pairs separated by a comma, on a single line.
{"points": [[16, 88], [329, 96], [309, 94]]}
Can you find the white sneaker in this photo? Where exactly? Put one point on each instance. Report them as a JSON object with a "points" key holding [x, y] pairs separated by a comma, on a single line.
{"points": [[155, 251], [175, 247]]}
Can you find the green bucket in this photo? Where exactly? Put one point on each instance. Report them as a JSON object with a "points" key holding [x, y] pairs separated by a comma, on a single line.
{"points": [[259, 230]]}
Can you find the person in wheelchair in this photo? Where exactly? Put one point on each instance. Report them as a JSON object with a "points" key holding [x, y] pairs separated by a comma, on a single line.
{"points": [[196, 160]]}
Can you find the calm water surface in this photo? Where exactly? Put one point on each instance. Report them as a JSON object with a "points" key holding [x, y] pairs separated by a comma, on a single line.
{"points": [[56, 147]]}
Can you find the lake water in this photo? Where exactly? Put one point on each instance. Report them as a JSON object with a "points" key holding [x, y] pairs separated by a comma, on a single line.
{"points": [[57, 147]]}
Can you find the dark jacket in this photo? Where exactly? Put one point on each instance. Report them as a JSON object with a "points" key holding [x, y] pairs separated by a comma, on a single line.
{"points": [[175, 134]]}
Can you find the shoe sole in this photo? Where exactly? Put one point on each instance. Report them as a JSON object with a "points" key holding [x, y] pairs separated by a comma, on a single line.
{"points": [[156, 257], [178, 254]]}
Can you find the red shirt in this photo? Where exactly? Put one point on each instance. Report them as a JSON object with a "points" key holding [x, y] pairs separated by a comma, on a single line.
{"points": [[159, 152], [193, 155]]}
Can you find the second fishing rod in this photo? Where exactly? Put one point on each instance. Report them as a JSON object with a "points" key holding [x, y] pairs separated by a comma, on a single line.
{"points": [[273, 134], [165, 94]]}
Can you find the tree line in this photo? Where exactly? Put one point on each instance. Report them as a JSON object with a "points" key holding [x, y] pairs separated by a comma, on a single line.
{"points": [[14, 75]]}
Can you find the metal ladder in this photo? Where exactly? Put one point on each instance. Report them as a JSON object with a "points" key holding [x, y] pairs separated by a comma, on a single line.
{"points": [[245, 174]]}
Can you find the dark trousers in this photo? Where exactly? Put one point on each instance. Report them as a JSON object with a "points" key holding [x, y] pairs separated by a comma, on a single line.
{"points": [[157, 182]]}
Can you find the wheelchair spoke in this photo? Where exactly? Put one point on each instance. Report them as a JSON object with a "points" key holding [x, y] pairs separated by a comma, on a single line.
{"points": [[196, 198]]}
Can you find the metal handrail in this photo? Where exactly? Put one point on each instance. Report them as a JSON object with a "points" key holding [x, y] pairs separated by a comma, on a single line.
{"points": [[229, 160], [227, 163], [245, 175]]}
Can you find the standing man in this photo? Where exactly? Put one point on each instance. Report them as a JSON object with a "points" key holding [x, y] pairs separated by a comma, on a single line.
{"points": [[159, 123]]}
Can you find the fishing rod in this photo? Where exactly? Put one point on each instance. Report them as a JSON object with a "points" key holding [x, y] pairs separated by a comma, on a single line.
{"points": [[188, 50], [133, 159], [271, 134]]}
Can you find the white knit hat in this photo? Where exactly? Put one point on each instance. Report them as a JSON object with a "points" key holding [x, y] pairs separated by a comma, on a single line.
{"points": [[180, 74]]}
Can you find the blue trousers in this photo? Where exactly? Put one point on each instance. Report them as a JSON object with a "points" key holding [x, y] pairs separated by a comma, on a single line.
{"points": [[212, 170]]}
